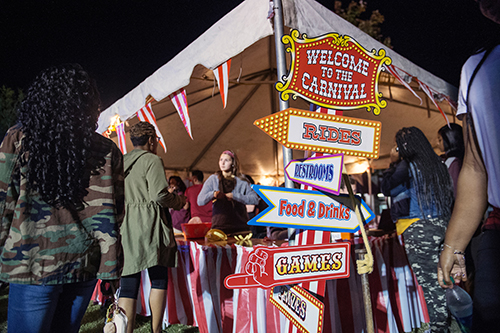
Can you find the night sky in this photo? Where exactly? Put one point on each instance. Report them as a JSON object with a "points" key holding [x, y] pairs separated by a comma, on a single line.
{"points": [[120, 43]]}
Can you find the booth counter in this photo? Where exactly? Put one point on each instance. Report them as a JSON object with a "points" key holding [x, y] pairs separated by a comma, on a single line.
{"points": [[197, 295]]}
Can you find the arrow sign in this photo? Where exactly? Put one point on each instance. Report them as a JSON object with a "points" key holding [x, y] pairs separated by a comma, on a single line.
{"points": [[273, 266], [300, 307], [323, 133], [323, 173], [313, 210]]}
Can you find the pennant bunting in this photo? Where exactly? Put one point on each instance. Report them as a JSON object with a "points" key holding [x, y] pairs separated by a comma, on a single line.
{"points": [[221, 73], [428, 92], [146, 114], [396, 74], [452, 103], [122, 143], [179, 100]]}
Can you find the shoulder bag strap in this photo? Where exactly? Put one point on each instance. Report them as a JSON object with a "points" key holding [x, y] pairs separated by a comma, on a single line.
{"points": [[131, 165]]}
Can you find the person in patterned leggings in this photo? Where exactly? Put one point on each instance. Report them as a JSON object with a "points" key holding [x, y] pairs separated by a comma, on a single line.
{"points": [[422, 197]]}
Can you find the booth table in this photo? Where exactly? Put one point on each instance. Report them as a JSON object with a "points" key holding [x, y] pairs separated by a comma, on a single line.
{"points": [[197, 296]]}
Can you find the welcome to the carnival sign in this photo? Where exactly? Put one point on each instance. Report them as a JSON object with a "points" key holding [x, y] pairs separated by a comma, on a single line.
{"points": [[333, 71]]}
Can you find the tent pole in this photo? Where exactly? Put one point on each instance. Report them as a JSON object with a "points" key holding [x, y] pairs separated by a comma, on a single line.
{"points": [[281, 68]]}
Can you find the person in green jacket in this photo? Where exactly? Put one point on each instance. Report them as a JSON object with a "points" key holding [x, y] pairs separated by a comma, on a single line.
{"points": [[147, 237]]}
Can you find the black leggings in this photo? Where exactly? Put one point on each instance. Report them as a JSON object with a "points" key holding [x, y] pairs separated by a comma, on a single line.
{"points": [[129, 284]]}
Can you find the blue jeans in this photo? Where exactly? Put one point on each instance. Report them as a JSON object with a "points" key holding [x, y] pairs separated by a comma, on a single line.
{"points": [[48, 308], [486, 302]]}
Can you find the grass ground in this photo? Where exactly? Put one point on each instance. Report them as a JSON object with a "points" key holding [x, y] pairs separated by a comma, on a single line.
{"points": [[93, 321]]}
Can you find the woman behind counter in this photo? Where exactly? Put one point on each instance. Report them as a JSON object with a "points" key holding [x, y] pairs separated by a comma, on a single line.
{"points": [[61, 190], [422, 196], [229, 191], [147, 236]]}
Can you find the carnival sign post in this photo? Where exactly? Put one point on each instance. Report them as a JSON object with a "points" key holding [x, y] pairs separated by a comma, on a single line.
{"points": [[333, 71]]}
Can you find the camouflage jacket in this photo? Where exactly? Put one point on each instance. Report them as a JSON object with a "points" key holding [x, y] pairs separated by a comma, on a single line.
{"points": [[40, 244]]}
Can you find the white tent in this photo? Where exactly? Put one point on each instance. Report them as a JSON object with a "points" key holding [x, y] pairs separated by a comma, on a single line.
{"points": [[245, 35]]}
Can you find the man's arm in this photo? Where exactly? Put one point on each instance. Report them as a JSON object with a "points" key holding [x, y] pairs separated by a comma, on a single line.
{"points": [[470, 205]]}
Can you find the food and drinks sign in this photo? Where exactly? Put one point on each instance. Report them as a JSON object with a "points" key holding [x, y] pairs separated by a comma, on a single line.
{"points": [[333, 71], [311, 210]]}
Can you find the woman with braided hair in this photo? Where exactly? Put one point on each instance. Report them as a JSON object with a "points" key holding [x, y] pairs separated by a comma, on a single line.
{"points": [[422, 197], [61, 204]]}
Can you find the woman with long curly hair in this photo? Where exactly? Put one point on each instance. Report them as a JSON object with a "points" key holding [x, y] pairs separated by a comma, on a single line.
{"points": [[230, 192], [422, 197], [61, 204]]}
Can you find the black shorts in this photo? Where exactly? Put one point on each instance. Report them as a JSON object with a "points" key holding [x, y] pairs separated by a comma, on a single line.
{"points": [[129, 284]]}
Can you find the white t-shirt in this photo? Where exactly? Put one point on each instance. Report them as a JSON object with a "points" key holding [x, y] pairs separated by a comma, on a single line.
{"points": [[484, 104]]}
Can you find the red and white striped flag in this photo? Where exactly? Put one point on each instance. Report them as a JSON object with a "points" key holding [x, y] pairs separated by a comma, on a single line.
{"points": [[394, 71], [122, 143], [428, 92], [221, 73], [146, 114], [179, 100]]}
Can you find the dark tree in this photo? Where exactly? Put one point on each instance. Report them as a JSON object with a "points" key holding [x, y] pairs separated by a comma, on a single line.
{"points": [[370, 25], [9, 101]]}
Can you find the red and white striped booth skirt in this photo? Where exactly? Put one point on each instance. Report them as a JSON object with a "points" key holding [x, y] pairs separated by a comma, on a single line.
{"points": [[197, 296]]}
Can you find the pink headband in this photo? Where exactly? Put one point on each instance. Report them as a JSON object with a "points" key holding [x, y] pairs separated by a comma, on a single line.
{"points": [[228, 152]]}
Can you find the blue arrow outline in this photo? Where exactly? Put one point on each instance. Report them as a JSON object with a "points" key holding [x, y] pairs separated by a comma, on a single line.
{"points": [[258, 188]]}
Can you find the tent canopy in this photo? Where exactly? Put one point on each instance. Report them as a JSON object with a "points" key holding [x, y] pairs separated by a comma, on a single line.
{"points": [[245, 35]]}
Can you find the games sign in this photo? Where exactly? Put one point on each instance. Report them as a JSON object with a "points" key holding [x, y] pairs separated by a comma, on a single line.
{"points": [[333, 71], [267, 267]]}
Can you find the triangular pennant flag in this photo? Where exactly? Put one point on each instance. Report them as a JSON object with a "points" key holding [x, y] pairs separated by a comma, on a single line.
{"points": [[394, 71], [122, 143], [428, 92], [221, 73], [146, 114], [179, 100]]}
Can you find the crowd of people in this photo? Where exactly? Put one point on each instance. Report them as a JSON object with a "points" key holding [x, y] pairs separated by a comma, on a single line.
{"points": [[66, 221], [75, 210]]}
